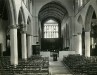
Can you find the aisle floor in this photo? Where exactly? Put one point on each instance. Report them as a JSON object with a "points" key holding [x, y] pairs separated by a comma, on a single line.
{"points": [[58, 68]]}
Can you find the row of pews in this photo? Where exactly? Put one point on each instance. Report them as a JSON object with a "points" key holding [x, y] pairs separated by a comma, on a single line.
{"points": [[81, 65], [36, 65]]}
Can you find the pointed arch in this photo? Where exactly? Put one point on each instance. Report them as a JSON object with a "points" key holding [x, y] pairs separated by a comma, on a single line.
{"points": [[21, 17], [80, 20], [89, 18], [29, 25], [11, 12], [28, 20], [52, 9]]}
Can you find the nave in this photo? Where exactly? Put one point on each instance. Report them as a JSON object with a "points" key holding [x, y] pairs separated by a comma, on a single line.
{"points": [[31, 31]]}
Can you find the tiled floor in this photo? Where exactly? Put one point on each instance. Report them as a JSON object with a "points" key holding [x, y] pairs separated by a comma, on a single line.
{"points": [[57, 68]]}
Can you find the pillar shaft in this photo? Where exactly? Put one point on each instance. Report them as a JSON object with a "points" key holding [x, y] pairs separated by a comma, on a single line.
{"points": [[13, 46], [79, 44], [29, 46], [74, 43], [87, 44], [24, 46], [71, 45]]}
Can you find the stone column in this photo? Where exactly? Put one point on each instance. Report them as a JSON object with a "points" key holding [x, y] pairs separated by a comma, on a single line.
{"points": [[24, 45], [87, 44], [70, 44], [29, 45], [79, 43], [74, 37], [13, 45]]}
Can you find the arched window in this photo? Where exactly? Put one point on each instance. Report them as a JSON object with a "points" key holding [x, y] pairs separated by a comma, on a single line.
{"points": [[51, 29]]}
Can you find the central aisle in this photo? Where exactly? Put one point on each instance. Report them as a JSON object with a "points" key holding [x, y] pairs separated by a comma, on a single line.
{"points": [[57, 68]]}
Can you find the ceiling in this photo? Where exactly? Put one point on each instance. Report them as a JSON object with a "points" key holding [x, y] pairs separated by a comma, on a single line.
{"points": [[52, 10]]}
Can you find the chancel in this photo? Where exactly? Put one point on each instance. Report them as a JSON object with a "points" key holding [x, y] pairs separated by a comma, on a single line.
{"points": [[48, 37]]}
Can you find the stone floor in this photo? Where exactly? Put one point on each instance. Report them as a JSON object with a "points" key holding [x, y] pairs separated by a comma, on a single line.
{"points": [[58, 68]]}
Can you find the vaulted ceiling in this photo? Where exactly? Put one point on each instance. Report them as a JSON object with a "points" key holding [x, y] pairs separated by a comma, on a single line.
{"points": [[52, 10]]}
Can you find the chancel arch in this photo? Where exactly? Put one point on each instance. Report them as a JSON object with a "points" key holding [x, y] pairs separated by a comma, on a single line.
{"points": [[51, 16]]}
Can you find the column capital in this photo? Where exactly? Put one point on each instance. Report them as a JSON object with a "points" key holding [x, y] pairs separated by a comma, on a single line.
{"points": [[87, 31], [22, 25], [13, 26], [29, 35], [23, 32], [79, 33], [74, 35]]}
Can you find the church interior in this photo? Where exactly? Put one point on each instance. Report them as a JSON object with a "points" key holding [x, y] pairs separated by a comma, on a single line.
{"points": [[48, 37]]}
